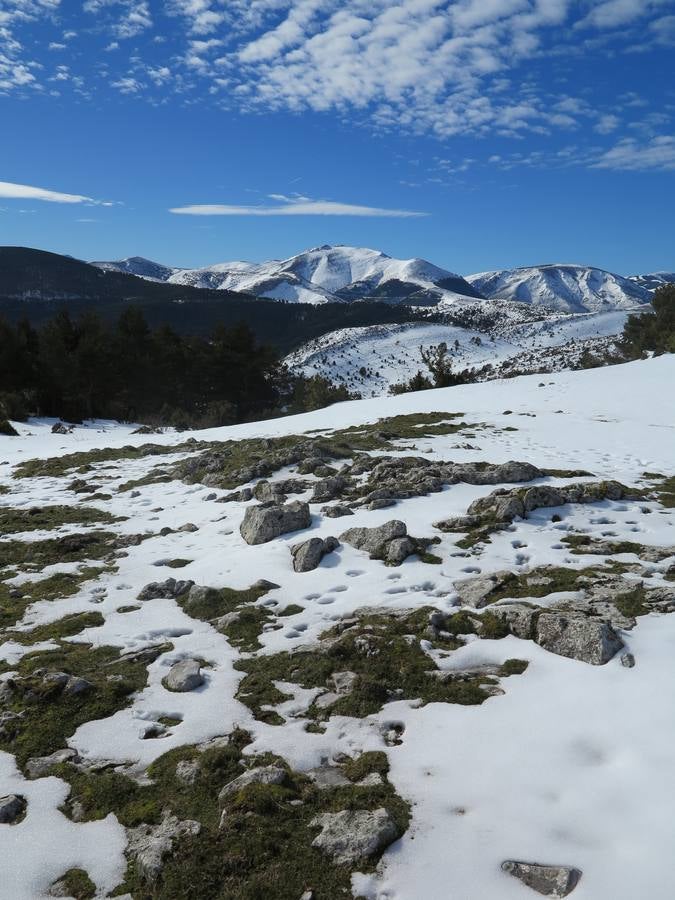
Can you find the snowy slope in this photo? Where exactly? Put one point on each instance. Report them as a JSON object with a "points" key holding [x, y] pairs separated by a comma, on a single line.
{"points": [[369, 360], [567, 288], [323, 274], [653, 280], [566, 764]]}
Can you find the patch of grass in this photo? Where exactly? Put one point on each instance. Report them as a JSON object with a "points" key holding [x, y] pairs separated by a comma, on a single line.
{"points": [[291, 610], [492, 627], [245, 627], [15, 600], [50, 715], [263, 849], [385, 654], [541, 582], [36, 555], [46, 518], [665, 492], [513, 667], [61, 628], [78, 884], [568, 473], [177, 563], [83, 461], [632, 604], [367, 763]]}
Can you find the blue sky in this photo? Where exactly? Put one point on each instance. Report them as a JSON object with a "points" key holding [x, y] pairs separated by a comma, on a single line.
{"points": [[479, 133]]}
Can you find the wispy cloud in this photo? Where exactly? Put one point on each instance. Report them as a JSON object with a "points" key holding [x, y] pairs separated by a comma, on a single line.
{"points": [[11, 191], [631, 155], [303, 207]]}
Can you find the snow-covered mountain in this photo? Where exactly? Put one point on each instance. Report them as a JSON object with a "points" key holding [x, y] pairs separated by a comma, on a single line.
{"points": [[566, 288], [321, 275], [653, 280], [138, 265]]}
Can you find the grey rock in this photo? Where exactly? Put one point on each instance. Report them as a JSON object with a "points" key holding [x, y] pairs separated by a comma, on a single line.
{"points": [[577, 637], [169, 589], [148, 845], [259, 775], [518, 616], [328, 777], [337, 511], [372, 779], [328, 488], [185, 675], [627, 660], [189, 527], [308, 554], [353, 835], [187, 771], [263, 585], [200, 594], [323, 701], [399, 549], [374, 540], [12, 807], [381, 503], [344, 682], [551, 881], [476, 592], [39, 766], [263, 523]]}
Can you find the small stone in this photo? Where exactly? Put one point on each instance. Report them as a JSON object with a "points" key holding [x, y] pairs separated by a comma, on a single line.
{"points": [[148, 845], [259, 775], [551, 881], [627, 660], [184, 676], [187, 771], [325, 700], [344, 682], [327, 777], [39, 766], [12, 807]]}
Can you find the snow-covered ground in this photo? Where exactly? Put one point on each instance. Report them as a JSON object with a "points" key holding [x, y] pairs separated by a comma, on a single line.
{"points": [[369, 360], [571, 765]]}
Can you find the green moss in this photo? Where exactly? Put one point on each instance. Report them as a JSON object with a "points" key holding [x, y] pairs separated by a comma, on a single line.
{"points": [[665, 492], [513, 667], [83, 461], [177, 563], [430, 558], [264, 849], [632, 604], [245, 627], [492, 627], [78, 884], [46, 518], [386, 656], [291, 610], [36, 555], [51, 716], [61, 628], [15, 600], [373, 761]]}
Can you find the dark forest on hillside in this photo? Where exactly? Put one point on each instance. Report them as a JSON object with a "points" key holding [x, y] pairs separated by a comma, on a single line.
{"points": [[86, 368]]}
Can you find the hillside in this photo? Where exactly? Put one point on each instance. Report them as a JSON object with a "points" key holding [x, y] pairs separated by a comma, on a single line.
{"points": [[565, 288], [228, 668]]}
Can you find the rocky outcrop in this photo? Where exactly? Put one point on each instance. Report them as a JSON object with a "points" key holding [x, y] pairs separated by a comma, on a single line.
{"points": [[148, 845], [308, 554], [479, 591], [185, 675], [259, 775], [551, 881], [265, 522], [502, 506], [350, 836]]}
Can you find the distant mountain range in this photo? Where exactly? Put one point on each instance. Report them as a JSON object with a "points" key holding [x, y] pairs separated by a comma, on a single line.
{"points": [[321, 275], [341, 274]]}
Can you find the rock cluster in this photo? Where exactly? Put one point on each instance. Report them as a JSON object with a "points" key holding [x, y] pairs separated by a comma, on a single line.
{"points": [[389, 542]]}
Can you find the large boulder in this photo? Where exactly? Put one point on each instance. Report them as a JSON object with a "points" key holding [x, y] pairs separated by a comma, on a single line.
{"points": [[259, 775], [350, 836], [148, 845], [308, 554], [577, 636], [184, 676], [374, 540], [551, 881], [265, 522]]}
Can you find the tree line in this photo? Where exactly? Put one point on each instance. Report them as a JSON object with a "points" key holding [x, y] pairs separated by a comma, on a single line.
{"points": [[86, 367]]}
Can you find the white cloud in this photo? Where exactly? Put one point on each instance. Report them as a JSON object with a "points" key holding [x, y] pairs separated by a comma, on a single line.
{"points": [[295, 207], [631, 155], [607, 123], [11, 191]]}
